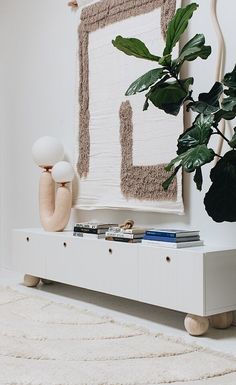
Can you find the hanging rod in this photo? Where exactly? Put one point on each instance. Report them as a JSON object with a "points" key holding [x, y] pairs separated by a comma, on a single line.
{"points": [[73, 4]]}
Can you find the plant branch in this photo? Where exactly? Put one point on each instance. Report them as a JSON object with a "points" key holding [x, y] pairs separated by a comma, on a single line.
{"points": [[175, 76], [219, 156], [221, 134]]}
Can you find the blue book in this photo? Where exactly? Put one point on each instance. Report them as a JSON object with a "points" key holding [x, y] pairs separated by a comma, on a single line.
{"points": [[172, 233], [171, 239]]}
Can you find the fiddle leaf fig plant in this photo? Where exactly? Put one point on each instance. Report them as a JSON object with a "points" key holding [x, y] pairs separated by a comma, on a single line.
{"points": [[166, 90]]}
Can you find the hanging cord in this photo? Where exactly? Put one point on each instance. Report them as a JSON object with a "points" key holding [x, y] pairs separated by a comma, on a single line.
{"points": [[219, 68], [221, 42]]}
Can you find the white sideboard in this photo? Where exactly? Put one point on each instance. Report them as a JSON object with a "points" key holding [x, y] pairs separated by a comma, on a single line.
{"points": [[197, 280]]}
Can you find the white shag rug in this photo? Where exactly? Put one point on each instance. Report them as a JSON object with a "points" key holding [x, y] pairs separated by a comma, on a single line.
{"points": [[48, 343]]}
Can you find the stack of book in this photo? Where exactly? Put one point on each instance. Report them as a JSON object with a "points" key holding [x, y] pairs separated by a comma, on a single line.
{"points": [[91, 230], [172, 238], [133, 235]]}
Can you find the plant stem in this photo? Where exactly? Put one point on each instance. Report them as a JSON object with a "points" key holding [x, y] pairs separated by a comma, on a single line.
{"points": [[221, 134], [175, 76], [219, 156]]}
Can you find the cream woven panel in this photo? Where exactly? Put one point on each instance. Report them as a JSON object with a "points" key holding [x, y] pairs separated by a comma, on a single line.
{"points": [[150, 136]]}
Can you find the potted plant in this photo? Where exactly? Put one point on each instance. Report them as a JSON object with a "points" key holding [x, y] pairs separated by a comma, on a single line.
{"points": [[167, 91]]}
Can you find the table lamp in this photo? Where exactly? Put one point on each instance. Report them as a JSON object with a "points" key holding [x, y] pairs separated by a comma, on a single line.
{"points": [[54, 200]]}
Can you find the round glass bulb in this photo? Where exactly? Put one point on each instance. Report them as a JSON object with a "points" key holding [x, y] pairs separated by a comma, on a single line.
{"points": [[62, 172], [47, 151]]}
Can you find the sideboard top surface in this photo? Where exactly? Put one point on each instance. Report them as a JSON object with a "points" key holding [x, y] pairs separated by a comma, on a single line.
{"points": [[206, 249]]}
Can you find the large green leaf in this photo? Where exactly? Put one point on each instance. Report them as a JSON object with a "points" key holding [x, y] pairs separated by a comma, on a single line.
{"points": [[199, 133], [177, 26], [208, 101], [229, 104], [230, 79], [232, 142], [202, 108], [198, 179], [145, 81], [134, 47], [212, 97], [193, 49], [165, 61], [230, 92], [222, 114], [193, 158], [161, 81], [170, 96], [221, 197], [169, 180]]}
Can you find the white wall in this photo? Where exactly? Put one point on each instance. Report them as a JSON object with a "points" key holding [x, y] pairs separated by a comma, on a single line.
{"points": [[38, 53], [38, 41]]}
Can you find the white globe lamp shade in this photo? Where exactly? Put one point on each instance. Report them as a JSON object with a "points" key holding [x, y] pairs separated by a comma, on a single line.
{"points": [[47, 151], [62, 172]]}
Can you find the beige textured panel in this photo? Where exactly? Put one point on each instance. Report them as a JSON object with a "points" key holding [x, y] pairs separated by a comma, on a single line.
{"points": [[142, 182]]}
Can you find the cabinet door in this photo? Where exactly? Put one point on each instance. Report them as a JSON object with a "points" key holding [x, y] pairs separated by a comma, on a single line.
{"points": [[100, 265], [172, 279], [28, 253]]}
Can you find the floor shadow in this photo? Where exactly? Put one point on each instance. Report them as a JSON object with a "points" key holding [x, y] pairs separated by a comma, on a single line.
{"points": [[125, 306]]}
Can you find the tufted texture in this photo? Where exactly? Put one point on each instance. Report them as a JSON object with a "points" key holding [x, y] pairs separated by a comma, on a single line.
{"points": [[48, 343]]}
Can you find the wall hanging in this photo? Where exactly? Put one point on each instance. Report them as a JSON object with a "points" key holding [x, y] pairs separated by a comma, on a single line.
{"points": [[121, 151]]}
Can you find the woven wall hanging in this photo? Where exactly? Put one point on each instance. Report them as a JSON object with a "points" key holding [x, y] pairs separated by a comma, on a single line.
{"points": [[121, 151]]}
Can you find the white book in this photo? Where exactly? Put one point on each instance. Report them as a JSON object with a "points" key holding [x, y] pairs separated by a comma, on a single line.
{"points": [[171, 245], [95, 225], [133, 230], [122, 234], [88, 235]]}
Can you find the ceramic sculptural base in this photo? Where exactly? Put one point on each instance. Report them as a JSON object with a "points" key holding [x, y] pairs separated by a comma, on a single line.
{"points": [[54, 208]]}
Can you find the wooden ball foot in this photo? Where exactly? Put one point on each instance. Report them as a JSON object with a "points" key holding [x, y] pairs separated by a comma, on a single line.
{"points": [[196, 325], [31, 281], [222, 320]]}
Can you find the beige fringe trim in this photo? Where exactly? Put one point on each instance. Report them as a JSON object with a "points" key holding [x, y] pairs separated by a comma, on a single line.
{"points": [[107, 12], [97, 16], [141, 182], [84, 115]]}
